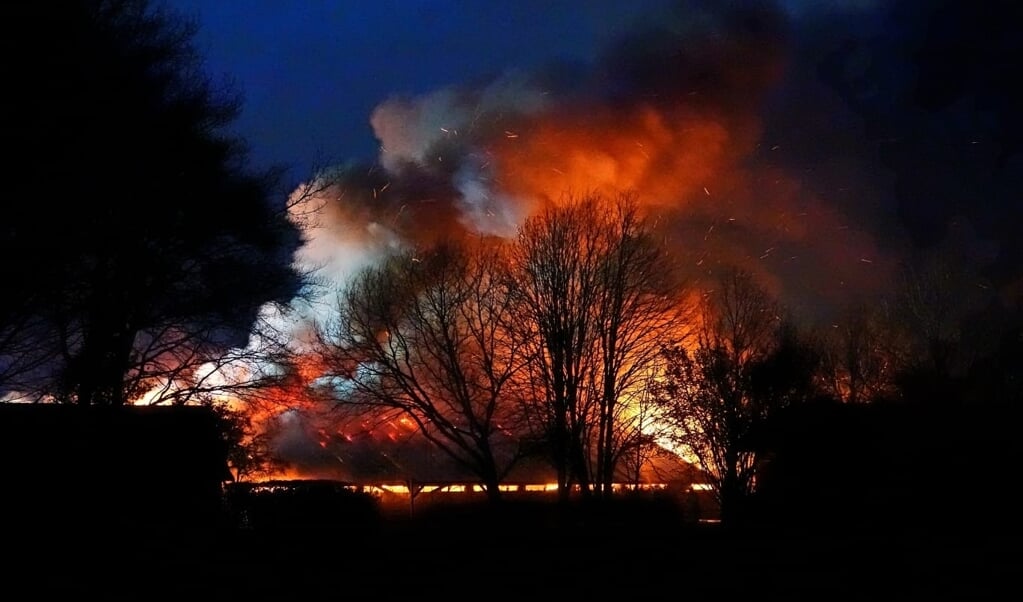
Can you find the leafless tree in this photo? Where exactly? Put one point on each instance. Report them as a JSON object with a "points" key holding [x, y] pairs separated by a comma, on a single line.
{"points": [[640, 428], [862, 353], [598, 297], [937, 295], [426, 333], [742, 366], [27, 348]]}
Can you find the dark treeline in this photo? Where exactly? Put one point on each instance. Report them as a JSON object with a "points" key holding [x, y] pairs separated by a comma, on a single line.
{"points": [[138, 243], [583, 340]]}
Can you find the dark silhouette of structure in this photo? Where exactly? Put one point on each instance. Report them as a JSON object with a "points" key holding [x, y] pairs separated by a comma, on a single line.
{"points": [[890, 466], [112, 468]]}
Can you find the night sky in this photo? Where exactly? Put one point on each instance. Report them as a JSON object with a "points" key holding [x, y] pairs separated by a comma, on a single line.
{"points": [[312, 72], [898, 118]]}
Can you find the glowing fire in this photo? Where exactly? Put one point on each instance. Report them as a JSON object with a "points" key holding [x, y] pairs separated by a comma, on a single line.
{"points": [[679, 128]]}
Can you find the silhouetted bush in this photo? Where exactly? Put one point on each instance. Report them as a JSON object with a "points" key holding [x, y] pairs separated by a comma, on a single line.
{"points": [[891, 466], [301, 504]]}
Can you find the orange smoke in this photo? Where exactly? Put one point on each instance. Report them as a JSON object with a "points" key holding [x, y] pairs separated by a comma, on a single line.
{"points": [[662, 158], [672, 116], [696, 171]]}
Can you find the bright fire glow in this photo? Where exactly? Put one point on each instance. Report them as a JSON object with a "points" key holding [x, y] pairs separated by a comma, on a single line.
{"points": [[460, 163]]}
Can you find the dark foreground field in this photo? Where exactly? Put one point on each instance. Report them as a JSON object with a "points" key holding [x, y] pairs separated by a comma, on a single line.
{"points": [[531, 552]]}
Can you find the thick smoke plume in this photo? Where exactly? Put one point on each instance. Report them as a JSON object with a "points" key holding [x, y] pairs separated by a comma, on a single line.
{"points": [[675, 112]]}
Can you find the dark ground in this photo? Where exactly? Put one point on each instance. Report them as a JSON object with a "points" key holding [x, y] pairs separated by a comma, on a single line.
{"points": [[531, 553]]}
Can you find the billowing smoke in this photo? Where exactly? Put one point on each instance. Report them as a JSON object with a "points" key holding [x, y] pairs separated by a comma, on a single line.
{"points": [[673, 112], [679, 112]]}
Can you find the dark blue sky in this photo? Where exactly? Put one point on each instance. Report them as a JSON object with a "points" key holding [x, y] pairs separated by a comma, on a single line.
{"points": [[900, 115], [313, 71]]}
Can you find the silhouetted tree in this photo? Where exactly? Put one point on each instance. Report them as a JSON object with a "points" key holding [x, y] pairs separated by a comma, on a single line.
{"points": [[134, 225], [944, 307], [597, 298], [248, 449], [427, 334], [27, 347], [744, 364], [862, 353], [640, 431]]}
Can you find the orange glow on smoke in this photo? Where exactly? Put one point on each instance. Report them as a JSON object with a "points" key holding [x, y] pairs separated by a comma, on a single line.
{"points": [[693, 155], [661, 157]]}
